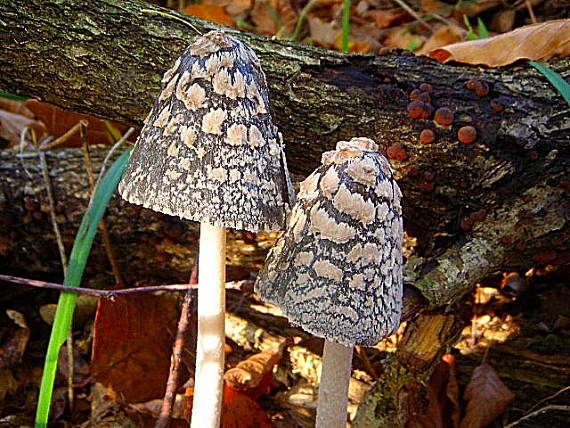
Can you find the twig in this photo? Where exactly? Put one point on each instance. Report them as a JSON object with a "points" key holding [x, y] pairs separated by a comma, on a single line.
{"points": [[109, 294], [51, 201], [530, 11], [550, 397], [63, 257], [168, 15], [109, 154], [174, 375], [556, 407], [412, 12], [102, 223], [65, 137], [361, 351]]}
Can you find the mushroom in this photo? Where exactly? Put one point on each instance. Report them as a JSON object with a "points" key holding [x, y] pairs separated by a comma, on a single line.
{"points": [[210, 152], [337, 268]]}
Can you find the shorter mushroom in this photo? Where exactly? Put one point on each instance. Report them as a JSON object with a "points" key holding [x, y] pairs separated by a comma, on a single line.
{"points": [[337, 268]]}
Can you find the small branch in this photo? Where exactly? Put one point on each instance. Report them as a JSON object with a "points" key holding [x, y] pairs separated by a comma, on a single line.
{"points": [[65, 137], [51, 200], [181, 336], [110, 153], [412, 12], [108, 294], [102, 223]]}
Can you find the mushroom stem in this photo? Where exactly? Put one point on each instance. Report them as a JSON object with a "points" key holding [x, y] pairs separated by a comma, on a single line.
{"points": [[208, 378], [333, 387]]}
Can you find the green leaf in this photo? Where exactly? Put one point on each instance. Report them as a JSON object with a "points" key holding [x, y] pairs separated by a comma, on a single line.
{"points": [[10, 96], [77, 261], [470, 34], [483, 32], [301, 19], [556, 79], [413, 45], [113, 133], [346, 26]]}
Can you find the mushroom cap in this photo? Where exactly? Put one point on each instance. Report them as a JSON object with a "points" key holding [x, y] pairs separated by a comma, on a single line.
{"points": [[337, 268], [209, 150]]}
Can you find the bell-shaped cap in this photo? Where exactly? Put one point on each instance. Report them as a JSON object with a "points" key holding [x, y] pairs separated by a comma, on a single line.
{"points": [[337, 268], [209, 150]]}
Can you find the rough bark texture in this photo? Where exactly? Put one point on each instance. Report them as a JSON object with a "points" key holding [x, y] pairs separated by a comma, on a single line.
{"points": [[106, 58]]}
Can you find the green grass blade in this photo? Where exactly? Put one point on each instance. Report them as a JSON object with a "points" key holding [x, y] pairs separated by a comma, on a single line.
{"points": [[301, 19], [483, 32], [77, 261], [346, 26], [556, 79], [10, 96]]}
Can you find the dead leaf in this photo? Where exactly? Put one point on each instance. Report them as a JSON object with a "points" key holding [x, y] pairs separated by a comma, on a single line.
{"points": [[429, 6], [13, 347], [210, 12], [487, 397], [250, 373], [443, 395], [474, 8], [266, 12], [238, 410], [354, 46], [443, 36], [503, 21], [13, 124], [386, 18], [59, 121], [15, 106], [132, 344], [535, 42], [322, 33], [232, 7], [401, 38]]}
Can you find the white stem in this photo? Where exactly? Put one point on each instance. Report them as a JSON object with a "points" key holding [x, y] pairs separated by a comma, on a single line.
{"points": [[333, 388], [208, 379]]}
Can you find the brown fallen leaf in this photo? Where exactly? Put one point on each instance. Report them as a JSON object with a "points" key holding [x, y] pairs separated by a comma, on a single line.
{"points": [[386, 18], [487, 397], [13, 124], [443, 36], [238, 410], [248, 374], [322, 33], [401, 38], [58, 121], [443, 395], [209, 12], [535, 42], [474, 8], [13, 347], [264, 16], [132, 344]]}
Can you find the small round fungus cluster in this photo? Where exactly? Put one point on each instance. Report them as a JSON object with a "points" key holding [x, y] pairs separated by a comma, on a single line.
{"points": [[337, 269], [480, 87], [444, 116], [467, 134]]}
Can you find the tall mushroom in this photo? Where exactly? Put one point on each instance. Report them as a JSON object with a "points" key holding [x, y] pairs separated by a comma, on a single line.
{"points": [[210, 152], [337, 269]]}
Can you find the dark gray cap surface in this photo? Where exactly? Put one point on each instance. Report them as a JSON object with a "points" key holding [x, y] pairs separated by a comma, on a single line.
{"points": [[209, 150], [337, 268]]}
